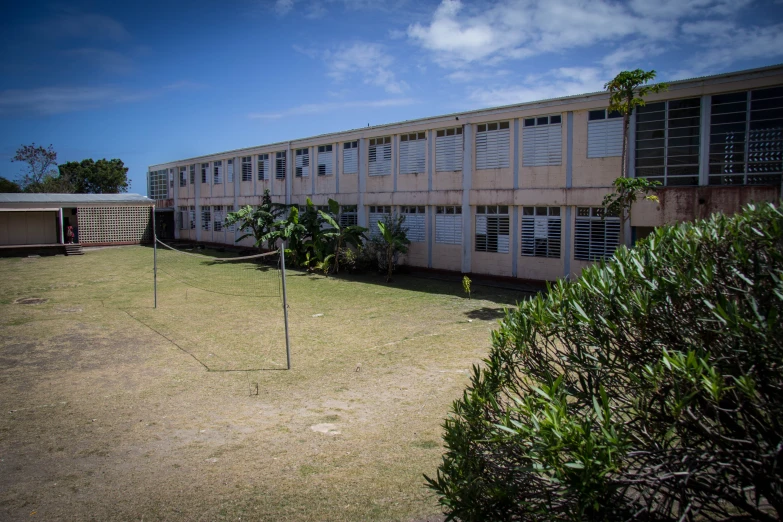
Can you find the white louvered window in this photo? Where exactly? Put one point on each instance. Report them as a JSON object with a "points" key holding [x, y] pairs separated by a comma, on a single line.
{"points": [[414, 222], [325, 160], [247, 168], [230, 228], [230, 171], [348, 216], [217, 217], [448, 225], [541, 231], [377, 213], [183, 176], [350, 157], [193, 174], [205, 172], [604, 134], [493, 142], [379, 156], [492, 228], [192, 216], [595, 238], [280, 166], [746, 138], [263, 167], [206, 218], [217, 171], [448, 150], [413, 149], [668, 142], [182, 218], [542, 141], [302, 162], [171, 178]]}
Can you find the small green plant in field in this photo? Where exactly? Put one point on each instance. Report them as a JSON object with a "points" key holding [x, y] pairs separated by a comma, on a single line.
{"points": [[466, 285]]}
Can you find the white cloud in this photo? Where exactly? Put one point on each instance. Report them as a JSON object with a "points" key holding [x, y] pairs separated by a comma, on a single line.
{"points": [[316, 108], [367, 60], [58, 100], [282, 7], [564, 81], [629, 56]]}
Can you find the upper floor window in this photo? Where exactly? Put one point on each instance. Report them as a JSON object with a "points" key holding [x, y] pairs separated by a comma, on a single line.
{"points": [[325, 160], [379, 157], [205, 172], [183, 176], [280, 165], [448, 150], [604, 134], [667, 141], [350, 157], [217, 170], [493, 142], [230, 171], [302, 162], [263, 167], [158, 184], [247, 168], [413, 150], [193, 174], [746, 138], [542, 141]]}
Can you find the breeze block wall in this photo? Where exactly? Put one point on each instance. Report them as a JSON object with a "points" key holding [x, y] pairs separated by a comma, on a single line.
{"points": [[114, 225]]}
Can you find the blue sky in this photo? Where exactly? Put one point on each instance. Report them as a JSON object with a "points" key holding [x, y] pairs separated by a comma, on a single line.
{"points": [[150, 82]]}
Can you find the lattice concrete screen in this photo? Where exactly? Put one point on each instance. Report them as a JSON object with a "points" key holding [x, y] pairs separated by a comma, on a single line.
{"points": [[114, 224]]}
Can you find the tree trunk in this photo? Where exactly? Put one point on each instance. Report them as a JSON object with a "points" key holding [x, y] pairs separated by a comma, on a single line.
{"points": [[624, 158]]}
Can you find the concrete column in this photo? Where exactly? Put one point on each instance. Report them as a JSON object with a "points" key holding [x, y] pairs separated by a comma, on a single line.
{"points": [[514, 240], [289, 174], [430, 157], [430, 208], [237, 184], [467, 184], [567, 241], [630, 167], [62, 235], [430, 235], [336, 167], [198, 201], [515, 153], [569, 149], [394, 147], [360, 152]]}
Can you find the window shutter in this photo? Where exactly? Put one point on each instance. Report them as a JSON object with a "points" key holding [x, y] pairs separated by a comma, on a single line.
{"points": [[377, 214], [541, 236], [302, 163], [247, 169], [595, 238], [542, 145], [492, 149], [325, 163], [192, 215], [448, 229], [414, 224], [605, 138], [280, 159], [380, 159], [206, 218], [218, 172], [448, 153], [350, 158], [412, 156], [230, 171], [263, 167]]}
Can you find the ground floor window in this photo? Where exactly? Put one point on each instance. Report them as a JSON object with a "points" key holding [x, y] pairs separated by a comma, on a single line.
{"points": [[448, 225], [595, 236], [217, 217], [192, 217], [492, 228], [541, 231], [377, 213], [348, 216], [414, 222], [206, 218]]}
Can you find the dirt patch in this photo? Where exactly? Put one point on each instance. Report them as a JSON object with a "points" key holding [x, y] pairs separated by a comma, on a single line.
{"points": [[31, 301]]}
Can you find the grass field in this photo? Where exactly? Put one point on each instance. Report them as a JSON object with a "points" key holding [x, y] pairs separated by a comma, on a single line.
{"points": [[113, 410]]}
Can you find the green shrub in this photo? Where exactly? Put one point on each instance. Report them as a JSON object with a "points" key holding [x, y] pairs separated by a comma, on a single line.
{"points": [[649, 389]]}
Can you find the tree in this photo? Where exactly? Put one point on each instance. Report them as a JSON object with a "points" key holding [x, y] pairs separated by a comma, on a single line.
{"points": [[96, 177], [337, 237], [40, 166], [9, 187], [649, 389], [259, 221], [626, 192], [392, 241], [626, 92]]}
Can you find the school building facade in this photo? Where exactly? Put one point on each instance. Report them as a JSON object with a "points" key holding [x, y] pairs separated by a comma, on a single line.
{"points": [[512, 191]]}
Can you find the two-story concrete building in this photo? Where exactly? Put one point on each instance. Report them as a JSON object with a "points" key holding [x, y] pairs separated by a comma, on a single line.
{"points": [[511, 191]]}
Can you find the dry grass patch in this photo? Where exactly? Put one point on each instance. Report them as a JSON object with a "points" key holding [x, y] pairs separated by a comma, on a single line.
{"points": [[114, 411]]}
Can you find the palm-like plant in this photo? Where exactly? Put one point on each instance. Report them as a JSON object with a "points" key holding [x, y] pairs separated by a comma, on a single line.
{"points": [[257, 222], [337, 238], [291, 232], [393, 241]]}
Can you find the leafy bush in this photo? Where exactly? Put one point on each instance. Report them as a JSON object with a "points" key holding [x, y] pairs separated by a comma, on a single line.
{"points": [[649, 389]]}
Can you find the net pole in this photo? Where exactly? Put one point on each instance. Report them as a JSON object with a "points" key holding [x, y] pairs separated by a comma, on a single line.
{"points": [[154, 259], [285, 307]]}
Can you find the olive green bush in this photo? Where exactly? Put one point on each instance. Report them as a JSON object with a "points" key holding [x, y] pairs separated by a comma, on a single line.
{"points": [[649, 389]]}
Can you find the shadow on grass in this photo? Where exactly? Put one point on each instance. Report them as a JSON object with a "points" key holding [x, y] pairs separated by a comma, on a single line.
{"points": [[486, 314]]}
